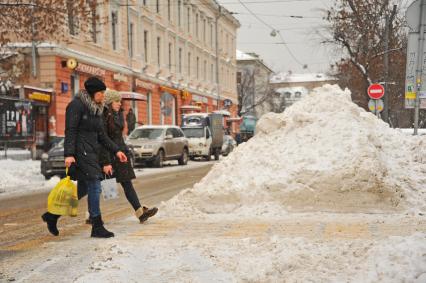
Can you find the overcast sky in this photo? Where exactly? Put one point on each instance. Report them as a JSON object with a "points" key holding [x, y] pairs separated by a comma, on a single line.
{"points": [[303, 36]]}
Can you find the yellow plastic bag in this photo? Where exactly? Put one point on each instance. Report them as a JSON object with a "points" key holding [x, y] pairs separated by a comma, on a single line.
{"points": [[63, 199]]}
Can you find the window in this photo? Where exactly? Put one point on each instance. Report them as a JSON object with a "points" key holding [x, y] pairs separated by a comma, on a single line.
{"points": [[196, 25], [189, 64], [75, 84], [170, 56], [287, 94], [144, 2], [73, 24], [177, 133], [238, 77], [211, 34], [131, 39], [298, 94], [188, 20], [93, 18], [158, 51], [169, 14], [198, 67], [211, 72], [158, 6], [204, 30], [145, 46], [114, 21], [179, 13], [180, 60], [205, 70]]}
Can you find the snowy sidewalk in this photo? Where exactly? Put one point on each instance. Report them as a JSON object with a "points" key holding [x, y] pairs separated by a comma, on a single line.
{"points": [[24, 177], [298, 247]]}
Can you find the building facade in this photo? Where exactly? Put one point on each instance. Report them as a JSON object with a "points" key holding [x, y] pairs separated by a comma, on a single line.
{"points": [[255, 94], [293, 87], [162, 55]]}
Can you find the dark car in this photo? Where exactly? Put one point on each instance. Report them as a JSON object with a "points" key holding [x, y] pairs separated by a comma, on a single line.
{"points": [[53, 162]]}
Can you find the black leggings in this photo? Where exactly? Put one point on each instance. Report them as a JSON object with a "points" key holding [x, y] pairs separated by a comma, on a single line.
{"points": [[131, 195], [129, 191]]}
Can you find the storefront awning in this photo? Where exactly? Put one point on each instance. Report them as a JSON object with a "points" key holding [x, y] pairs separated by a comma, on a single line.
{"points": [[190, 107], [128, 95], [170, 90], [234, 119], [223, 112]]}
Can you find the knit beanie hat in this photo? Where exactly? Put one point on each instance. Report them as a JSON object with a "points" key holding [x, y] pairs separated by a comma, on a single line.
{"points": [[93, 85], [111, 96]]}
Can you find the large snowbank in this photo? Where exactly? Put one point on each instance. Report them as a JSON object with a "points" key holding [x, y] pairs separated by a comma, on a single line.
{"points": [[322, 154]]}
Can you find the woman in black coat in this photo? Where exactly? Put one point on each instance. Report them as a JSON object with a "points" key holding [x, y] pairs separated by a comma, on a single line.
{"points": [[123, 172]]}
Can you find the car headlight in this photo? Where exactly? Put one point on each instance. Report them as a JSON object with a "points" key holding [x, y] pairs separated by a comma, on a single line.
{"points": [[45, 156]]}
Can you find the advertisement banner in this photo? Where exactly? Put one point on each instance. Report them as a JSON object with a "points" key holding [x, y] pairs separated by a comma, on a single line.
{"points": [[15, 120]]}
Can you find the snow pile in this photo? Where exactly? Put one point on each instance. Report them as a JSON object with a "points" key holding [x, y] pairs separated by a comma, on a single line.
{"points": [[21, 176], [324, 153]]}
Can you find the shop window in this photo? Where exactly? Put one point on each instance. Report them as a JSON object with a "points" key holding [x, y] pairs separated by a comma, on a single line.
{"points": [[135, 110], [168, 111], [75, 84]]}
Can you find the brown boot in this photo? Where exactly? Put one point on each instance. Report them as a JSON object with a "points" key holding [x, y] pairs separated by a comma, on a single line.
{"points": [[143, 213]]}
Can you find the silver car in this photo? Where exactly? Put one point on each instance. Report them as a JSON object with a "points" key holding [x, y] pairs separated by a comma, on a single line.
{"points": [[153, 145]]}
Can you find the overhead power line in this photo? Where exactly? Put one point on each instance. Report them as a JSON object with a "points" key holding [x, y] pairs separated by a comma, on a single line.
{"points": [[273, 30]]}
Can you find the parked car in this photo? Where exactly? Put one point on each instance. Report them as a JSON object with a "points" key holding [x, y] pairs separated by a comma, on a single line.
{"points": [[53, 162], [153, 145], [228, 145]]}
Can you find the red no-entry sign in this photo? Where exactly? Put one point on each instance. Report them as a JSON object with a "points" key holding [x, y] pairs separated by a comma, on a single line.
{"points": [[376, 91]]}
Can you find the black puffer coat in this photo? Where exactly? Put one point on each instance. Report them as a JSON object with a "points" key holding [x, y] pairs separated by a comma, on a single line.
{"points": [[114, 125], [84, 135]]}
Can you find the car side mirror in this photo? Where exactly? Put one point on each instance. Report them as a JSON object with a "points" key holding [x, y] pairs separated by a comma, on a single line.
{"points": [[169, 137]]}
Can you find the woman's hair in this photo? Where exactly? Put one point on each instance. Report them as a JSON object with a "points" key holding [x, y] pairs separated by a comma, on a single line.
{"points": [[110, 120]]}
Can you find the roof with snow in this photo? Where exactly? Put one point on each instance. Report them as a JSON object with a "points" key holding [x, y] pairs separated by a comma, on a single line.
{"points": [[244, 56], [298, 78]]}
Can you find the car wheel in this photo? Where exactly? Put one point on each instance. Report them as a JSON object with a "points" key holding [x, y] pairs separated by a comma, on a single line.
{"points": [[159, 159], [47, 177], [183, 160], [216, 154], [209, 156]]}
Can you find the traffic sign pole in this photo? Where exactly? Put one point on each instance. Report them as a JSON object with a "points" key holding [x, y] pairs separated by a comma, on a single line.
{"points": [[419, 70]]}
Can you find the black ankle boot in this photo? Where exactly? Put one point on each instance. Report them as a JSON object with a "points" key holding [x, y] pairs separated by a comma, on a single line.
{"points": [[51, 220], [98, 229]]}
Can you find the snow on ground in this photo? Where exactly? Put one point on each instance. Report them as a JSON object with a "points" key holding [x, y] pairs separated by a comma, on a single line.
{"points": [[325, 192], [23, 176]]}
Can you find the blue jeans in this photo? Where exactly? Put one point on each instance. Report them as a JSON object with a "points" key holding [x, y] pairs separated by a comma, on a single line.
{"points": [[93, 190]]}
